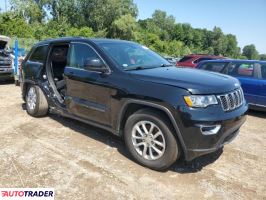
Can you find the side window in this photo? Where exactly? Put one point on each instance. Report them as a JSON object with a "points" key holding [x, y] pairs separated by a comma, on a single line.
{"points": [[39, 54], [202, 59], [230, 70], [245, 70], [186, 58], [79, 53], [263, 71], [215, 67], [241, 69]]}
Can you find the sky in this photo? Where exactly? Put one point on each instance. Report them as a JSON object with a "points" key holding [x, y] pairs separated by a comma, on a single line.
{"points": [[244, 18]]}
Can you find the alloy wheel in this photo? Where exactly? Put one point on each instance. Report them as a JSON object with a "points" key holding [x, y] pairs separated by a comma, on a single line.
{"points": [[31, 98], [148, 140]]}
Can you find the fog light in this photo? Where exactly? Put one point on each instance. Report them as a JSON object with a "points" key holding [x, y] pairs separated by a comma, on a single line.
{"points": [[210, 130]]}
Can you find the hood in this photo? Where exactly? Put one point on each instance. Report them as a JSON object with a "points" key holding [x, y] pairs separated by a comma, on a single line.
{"points": [[4, 42], [194, 80]]}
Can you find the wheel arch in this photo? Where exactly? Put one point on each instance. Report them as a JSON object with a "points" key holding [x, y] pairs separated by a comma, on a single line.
{"points": [[132, 106]]}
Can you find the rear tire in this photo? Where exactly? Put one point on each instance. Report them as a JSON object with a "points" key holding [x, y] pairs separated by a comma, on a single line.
{"points": [[36, 102], [17, 83], [159, 142]]}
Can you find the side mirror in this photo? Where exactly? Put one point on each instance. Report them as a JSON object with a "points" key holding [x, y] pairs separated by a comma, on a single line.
{"points": [[95, 64]]}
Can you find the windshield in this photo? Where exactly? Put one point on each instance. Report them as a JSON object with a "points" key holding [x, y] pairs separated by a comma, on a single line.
{"points": [[130, 56], [3, 45], [4, 42]]}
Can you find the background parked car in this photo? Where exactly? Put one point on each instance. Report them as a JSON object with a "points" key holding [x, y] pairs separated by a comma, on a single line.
{"points": [[6, 70], [171, 60], [251, 74], [193, 59]]}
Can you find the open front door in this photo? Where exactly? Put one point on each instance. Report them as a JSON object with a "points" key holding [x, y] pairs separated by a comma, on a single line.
{"points": [[86, 96]]}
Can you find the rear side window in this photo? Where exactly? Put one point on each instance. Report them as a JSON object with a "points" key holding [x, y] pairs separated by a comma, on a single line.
{"points": [[39, 54], [241, 69], [263, 72], [186, 58], [78, 55], [215, 67]]}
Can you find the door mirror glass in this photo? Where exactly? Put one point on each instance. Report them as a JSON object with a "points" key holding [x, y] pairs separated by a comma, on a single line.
{"points": [[95, 64]]}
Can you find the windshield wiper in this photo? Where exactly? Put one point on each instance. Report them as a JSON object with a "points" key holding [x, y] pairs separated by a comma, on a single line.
{"points": [[134, 68], [141, 67], [137, 68], [166, 65]]}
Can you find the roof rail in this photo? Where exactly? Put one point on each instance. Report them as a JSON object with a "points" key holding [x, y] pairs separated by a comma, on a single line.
{"points": [[202, 54], [67, 37]]}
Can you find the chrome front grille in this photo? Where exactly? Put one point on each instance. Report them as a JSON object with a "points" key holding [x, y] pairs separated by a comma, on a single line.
{"points": [[5, 62], [232, 100]]}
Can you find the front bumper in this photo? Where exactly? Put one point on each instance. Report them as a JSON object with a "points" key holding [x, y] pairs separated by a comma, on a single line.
{"points": [[196, 143], [228, 132]]}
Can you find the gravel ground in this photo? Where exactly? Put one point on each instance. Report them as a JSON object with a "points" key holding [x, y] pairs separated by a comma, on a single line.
{"points": [[83, 162]]}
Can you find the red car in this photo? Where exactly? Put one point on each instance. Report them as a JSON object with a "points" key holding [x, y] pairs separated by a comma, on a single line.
{"points": [[192, 60]]}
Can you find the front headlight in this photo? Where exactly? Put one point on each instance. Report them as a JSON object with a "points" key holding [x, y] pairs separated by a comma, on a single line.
{"points": [[200, 101]]}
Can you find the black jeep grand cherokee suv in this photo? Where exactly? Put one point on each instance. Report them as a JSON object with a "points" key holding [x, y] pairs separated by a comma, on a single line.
{"points": [[161, 111]]}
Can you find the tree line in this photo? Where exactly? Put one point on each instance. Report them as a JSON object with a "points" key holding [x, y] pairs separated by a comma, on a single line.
{"points": [[42, 19]]}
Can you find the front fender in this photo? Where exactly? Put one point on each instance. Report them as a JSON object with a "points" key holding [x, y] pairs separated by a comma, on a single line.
{"points": [[162, 108]]}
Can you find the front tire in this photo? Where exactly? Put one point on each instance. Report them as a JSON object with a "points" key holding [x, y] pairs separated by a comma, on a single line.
{"points": [[36, 102], [150, 141]]}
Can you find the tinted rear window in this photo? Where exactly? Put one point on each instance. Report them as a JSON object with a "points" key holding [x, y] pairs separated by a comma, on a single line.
{"points": [[186, 58], [39, 54], [215, 67]]}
